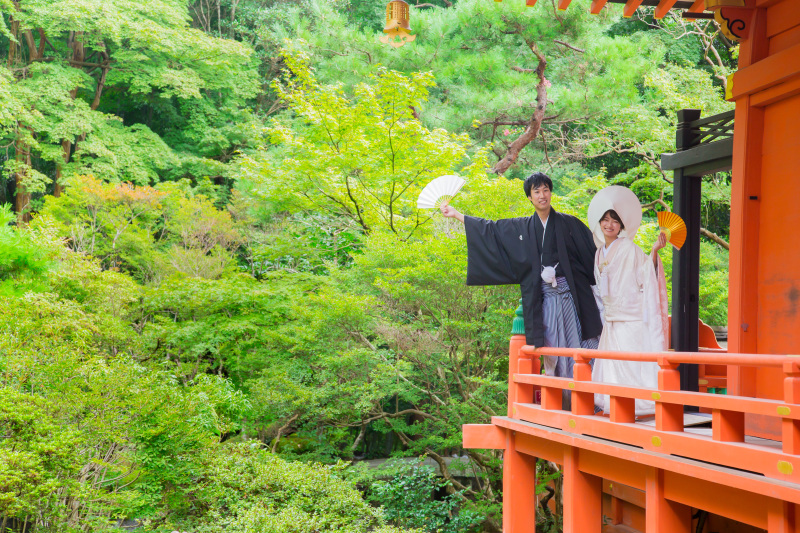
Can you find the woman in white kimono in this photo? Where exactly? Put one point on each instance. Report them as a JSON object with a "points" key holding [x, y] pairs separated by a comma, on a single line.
{"points": [[633, 291]]}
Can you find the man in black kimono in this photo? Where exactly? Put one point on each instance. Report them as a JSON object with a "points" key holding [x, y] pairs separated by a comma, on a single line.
{"points": [[551, 256]]}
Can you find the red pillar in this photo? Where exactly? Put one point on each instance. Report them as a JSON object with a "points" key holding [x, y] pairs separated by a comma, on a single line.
{"points": [[662, 515], [743, 297], [519, 489], [583, 497], [781, 517]]}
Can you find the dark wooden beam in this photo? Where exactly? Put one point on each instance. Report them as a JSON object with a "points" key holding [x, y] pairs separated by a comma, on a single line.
{"points": [[686, 261], [693, 159], [715, 156]]}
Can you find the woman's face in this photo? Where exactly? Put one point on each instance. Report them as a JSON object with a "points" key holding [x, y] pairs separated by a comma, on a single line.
{"points": [[610, 227]]}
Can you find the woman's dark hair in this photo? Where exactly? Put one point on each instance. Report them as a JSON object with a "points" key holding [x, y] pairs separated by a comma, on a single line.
{"points": [[613, 214], [535, 180]]}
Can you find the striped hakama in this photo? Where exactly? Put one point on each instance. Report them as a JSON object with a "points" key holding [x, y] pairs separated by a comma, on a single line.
{"points": [[562, 329]]}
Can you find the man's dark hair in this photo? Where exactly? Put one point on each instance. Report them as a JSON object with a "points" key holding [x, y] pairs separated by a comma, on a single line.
{"points": [[613, 214], [535, 180]]}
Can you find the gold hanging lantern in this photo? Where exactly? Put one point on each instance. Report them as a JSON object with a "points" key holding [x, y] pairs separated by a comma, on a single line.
{"points": [[397, 30]]}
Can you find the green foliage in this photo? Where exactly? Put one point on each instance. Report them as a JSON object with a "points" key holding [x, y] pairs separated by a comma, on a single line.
{"points": [[121, 153], [364, 157], [409, 500], [149, 232], [22, 261], [237, 254], [69, 109], [243, 489], [713, 284], [39, 458], [91, 433], [233, 326], [304, 242]]}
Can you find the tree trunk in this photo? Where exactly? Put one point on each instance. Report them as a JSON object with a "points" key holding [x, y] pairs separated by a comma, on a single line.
{"points": [[77, 55], [66, 147], [13, 46], [22, 154], [535, 123], [22, 198], [101, 83], [33, 49]]}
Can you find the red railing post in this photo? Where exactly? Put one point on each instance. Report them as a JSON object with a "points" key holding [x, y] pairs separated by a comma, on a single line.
{"points": [[516, 391], [781, 517], [727, 426], [791, 394], [552, 398], [623, 410], [519, 363], [669, 417], [582, 402]]}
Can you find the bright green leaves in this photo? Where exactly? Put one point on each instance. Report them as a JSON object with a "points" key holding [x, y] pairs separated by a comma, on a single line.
{"points": [[362, 156], [39, 458], [408, 500], [131, 154], [151, 45], [150, 232], [23, 261], [246, 489], [64, 99], [232, 326], [87, 428]]}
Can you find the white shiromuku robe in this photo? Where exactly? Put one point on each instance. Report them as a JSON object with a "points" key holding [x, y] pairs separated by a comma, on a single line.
{"points": [[634, 297]]}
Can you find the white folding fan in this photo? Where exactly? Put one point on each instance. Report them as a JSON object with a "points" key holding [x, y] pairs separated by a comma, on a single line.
{"points": [[439, 192]]}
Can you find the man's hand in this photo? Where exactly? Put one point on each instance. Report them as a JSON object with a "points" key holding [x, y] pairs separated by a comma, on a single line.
{"points": [[450, 212]]}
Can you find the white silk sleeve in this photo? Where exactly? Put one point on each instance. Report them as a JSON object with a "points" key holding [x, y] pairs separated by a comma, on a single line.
{"points": [[655, 303]]}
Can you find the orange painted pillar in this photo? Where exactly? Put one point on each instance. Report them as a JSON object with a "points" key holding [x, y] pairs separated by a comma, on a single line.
{"points": [[743, 301], [781, 517], [583, 497], [748, 130], [663, 515], [519, 489]]}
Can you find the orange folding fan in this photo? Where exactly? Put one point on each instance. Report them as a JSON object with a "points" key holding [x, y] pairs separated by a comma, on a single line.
{"points": [[673, 227]]}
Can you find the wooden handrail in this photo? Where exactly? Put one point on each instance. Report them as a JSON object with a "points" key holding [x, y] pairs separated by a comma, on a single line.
{"points": [[708, 358]]}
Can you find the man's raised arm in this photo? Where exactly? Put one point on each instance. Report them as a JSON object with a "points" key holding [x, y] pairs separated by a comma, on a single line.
{"points": [[450, 212]]}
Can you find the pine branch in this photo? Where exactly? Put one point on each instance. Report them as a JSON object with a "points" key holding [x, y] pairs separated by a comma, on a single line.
{"points": [[562, 43], [716, 238]]}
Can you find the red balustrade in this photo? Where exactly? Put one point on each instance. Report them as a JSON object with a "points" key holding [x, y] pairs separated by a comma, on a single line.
{"points": [[726, 445]]}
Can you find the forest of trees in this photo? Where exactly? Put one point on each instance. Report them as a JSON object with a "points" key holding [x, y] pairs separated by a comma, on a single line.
{"points": [[217, 295]]}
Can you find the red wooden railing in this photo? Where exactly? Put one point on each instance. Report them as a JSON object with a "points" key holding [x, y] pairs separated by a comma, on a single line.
{"points": [[727, 444]]}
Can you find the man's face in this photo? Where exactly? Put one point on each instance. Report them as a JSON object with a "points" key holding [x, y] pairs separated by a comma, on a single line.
{"points": [[540, 197]]}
